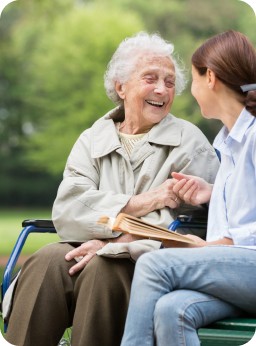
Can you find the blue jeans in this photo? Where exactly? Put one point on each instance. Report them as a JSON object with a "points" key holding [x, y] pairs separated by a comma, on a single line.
{"points": [[176, 291]]}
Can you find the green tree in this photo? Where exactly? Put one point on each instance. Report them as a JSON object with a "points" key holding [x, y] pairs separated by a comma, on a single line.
{"points": [[20, 183], [66, 91]]}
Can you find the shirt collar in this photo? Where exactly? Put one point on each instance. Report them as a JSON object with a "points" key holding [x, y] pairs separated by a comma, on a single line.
{"points": [[237, 133]]}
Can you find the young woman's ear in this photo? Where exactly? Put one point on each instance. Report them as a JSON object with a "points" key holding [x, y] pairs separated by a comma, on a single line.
{"points": [[211, 78], [120, 89]]}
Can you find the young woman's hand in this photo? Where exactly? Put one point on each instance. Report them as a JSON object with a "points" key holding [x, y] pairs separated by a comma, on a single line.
{"points": [[191, 189]]}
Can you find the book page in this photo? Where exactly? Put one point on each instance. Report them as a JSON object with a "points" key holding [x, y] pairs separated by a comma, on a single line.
{"points": [[129, 224]]}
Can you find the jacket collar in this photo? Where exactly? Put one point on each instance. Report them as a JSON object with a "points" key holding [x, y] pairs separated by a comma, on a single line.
{"points": [[105, 139]]}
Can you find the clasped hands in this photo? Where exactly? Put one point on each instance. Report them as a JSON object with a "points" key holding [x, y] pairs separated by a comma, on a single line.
{"points": [[194, 191]]}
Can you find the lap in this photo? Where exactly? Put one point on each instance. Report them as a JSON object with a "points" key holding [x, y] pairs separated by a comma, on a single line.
{"points": [[222, 271], [52, 257]]}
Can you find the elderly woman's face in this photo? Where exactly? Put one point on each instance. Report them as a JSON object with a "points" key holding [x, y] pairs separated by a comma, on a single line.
{"points": [[149, 93]]}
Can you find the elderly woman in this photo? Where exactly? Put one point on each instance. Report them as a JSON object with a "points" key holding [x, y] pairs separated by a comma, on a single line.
{"points": [[177, 291], [121, 164]]}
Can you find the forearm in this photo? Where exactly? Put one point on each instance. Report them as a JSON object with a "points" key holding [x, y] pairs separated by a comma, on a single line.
{"points": [[158, 198], [140, 205], [223, 241], [198, 242]]}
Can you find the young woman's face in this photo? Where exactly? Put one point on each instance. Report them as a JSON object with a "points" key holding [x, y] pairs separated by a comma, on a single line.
{"points": [[201, 90]]}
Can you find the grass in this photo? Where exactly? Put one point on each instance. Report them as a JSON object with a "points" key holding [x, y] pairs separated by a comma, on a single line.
{"points": [[10, 227]]}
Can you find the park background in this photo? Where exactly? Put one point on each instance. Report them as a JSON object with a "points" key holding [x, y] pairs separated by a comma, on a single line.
{"points": [[53, 55]]}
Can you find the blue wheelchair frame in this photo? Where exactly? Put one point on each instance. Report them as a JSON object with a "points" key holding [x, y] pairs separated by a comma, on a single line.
{"points": [[29, 226]]}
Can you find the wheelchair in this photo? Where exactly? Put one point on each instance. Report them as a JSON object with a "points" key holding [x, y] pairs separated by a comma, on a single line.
{"points": [[228, 332]]}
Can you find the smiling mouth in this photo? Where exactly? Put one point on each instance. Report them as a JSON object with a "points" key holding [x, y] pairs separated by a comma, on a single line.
{"points": [[155, 104]]}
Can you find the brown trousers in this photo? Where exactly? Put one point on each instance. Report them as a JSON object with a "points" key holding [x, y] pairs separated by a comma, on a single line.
{"points": [[48, 300]]}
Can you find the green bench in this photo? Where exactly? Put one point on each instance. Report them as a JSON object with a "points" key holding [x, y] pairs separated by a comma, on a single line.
{"points": [[229, 332]]}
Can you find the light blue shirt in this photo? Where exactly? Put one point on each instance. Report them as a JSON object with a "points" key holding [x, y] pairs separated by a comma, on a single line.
{"points": [[232, 210]]}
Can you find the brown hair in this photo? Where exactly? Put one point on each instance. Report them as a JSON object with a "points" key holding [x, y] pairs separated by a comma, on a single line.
{"points": [[232, 57]]}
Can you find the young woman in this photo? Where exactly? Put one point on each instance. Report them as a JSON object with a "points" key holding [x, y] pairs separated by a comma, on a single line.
{"points": [[177, 291]]}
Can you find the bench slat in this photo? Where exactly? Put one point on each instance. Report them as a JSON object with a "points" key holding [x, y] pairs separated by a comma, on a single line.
{"points": [[224, 337]]}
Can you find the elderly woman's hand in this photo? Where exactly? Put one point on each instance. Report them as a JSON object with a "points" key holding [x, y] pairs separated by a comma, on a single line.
{"points": [[86, 251], [83, 254], [158, 198], [165, 196]]}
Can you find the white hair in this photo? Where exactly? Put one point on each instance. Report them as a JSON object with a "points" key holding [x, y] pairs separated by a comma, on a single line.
{"points": [[123, 61]]}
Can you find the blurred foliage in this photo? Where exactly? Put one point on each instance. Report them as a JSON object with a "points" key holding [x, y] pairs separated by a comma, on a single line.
{"points": [[67, 92], [52, 62]]}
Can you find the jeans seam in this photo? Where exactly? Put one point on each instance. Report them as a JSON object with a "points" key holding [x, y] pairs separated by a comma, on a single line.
{"points": [[182, 318]]}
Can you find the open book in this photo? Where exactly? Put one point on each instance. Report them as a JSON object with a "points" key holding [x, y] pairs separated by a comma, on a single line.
{"points": [[129, 224]]}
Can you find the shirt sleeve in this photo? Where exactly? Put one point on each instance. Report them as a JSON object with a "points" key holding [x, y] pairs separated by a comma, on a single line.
{"points": [[245, 235]]}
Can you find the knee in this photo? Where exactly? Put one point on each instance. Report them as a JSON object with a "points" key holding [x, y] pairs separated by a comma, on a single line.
{"points": [[147, 264], [52, 255], [54, 250], [167, 309], [144, 261], [181, 307]]}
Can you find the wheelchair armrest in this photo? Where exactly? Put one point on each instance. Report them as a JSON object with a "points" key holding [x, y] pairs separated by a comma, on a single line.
{"points": [[40, 223]]}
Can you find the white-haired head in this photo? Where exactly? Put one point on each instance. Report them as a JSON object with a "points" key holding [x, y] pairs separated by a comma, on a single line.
{"points": [[125, 58]]}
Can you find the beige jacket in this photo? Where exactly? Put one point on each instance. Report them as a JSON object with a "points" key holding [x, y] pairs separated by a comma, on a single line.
{"points": [[99, 178]]}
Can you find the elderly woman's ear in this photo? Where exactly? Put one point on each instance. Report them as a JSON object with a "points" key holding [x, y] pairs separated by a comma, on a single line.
{"points": [[120, 89]]}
